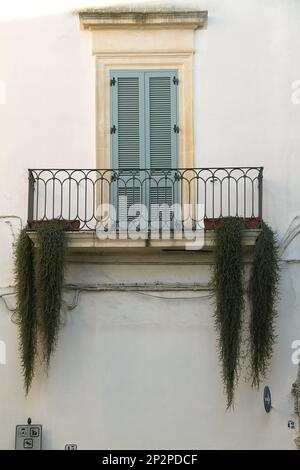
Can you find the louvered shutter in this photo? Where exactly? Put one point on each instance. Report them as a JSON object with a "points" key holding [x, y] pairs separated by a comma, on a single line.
{"points": [[127, 137], [144, 135], [161, 117], [161, 139]]}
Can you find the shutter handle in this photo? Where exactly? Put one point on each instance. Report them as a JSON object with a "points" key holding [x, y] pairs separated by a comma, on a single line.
{"points": [[176, 129], [113, 129]]}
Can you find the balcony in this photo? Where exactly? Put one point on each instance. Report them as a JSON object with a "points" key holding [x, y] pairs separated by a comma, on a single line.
{"points": [[145, 208]]}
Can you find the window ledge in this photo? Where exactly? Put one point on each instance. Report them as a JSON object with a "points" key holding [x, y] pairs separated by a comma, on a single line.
{"points": [[98, 18]]}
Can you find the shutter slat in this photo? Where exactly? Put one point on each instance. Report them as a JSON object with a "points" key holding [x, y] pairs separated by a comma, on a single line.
{"points": [[161, 195]]}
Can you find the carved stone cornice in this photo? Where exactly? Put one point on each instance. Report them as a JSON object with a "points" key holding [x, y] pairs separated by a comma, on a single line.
{"points": [[92, 19]]}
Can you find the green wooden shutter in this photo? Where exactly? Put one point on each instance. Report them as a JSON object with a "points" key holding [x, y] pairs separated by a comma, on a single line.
{"points": [[127, 115], [127, 136], [161, 117], [162, 136]]}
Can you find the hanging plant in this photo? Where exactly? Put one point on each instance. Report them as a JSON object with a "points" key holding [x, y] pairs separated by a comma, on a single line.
{"points": [[39, 281], [26, 309], [263, 290], [49, 265], [227, 285]]}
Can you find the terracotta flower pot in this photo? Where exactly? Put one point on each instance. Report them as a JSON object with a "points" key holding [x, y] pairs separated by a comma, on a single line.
{"points": [[70, 225], [249, 223], [212, 224], [252, 223]]}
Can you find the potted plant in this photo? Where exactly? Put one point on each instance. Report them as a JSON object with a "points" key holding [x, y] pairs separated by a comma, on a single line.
{"points": [[69, 225], [249, 223]]}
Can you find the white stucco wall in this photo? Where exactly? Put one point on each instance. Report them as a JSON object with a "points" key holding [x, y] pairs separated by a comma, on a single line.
{"points": [[133, 371]]}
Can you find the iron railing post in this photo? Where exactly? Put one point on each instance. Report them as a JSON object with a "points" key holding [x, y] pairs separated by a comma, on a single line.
{"points": [[30, 196], [260, 193]]}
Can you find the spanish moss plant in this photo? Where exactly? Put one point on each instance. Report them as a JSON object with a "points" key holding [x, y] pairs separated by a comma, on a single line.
{"points": [[263, 289], [26, 310], [49, 266], [227, 285]]}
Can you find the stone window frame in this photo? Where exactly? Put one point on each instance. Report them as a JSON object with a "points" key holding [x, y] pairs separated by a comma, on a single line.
{"points": [[143, 40]]}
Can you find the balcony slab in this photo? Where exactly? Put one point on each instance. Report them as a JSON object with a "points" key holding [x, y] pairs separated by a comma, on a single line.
{"points": [[87, 247]]}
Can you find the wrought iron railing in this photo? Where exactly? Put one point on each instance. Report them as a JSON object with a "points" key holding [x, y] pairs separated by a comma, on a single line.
{"points": [[209, 193]]}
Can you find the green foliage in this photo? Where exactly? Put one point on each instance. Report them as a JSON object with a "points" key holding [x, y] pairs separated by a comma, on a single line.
{"points": [[263, 290], [229, 300], [49, 266], [26, 311]]}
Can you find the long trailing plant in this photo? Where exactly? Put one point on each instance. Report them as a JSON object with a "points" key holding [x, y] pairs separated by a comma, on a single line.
{"points": [[263, 291], [227, 284], [39, 282], [49, 265], [26, 308]]}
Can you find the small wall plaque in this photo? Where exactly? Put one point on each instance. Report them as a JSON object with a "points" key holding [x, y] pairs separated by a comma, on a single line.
{"points": [[267, 399], [28, 436], [71, 447]]}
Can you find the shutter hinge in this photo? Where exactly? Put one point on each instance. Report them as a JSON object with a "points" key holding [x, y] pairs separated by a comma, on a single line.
{"points": [[175, 80], [113, 129], [113, 81], [176, 129]]}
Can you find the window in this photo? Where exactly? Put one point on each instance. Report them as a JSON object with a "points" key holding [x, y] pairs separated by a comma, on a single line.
{"points": [[144, 135], [144, 119]]}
